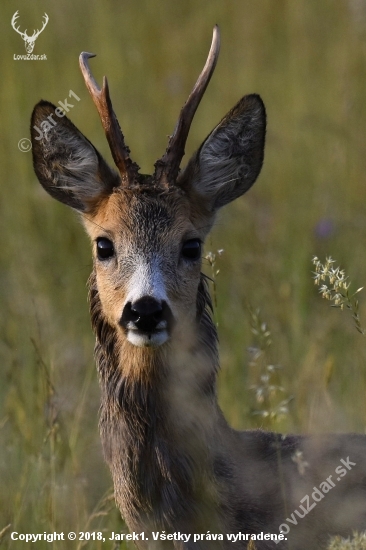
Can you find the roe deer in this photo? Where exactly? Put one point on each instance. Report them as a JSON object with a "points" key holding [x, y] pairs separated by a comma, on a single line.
{"points": [[176, 465]]}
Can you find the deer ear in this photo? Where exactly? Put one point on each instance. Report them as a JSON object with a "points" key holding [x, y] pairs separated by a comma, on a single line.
{"points": [[230, 159], [67, 165]]}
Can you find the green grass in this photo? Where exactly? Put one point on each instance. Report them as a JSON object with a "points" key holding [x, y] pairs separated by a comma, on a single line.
{"points": [[357, 542], [307, 59]]}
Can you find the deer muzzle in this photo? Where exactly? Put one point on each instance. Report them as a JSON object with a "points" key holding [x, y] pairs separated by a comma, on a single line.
{"points": [[147, 322]]}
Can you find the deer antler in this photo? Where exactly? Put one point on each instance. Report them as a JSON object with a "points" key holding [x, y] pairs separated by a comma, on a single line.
{"points": [[167, 168], [120, 152], [13, 21], [37, 33]]}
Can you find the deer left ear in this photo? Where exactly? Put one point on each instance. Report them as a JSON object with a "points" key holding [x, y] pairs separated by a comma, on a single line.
{"points": [[230, 159], [67, 165]]}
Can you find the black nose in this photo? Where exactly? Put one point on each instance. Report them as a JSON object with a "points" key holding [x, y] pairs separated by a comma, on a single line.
{"points": [[145, 314]]}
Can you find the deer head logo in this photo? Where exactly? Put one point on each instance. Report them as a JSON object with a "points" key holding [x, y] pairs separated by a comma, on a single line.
{"points": [[29, 40]]}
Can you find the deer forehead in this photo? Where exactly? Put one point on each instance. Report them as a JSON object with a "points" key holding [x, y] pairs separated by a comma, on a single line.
{"points": [[144, 221]]}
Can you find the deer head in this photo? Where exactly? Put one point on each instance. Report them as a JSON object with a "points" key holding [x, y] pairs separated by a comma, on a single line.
{"points": [[148, 231], [29, 40]]}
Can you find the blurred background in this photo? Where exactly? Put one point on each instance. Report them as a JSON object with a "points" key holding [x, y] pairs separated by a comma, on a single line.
{"points": [[307, 59]]}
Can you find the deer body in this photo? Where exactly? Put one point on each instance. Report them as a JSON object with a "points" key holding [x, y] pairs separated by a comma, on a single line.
{"points": [[176, 464]]}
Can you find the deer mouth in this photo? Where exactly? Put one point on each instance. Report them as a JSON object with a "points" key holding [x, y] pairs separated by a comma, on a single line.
{"points": [[143, 338]]}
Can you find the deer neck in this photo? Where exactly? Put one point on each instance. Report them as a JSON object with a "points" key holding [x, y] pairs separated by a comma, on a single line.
{"points": [[159, 415]]}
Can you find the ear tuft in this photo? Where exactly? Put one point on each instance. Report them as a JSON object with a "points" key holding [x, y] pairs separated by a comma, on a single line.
{"points": [[67, 165], [230, 159]]}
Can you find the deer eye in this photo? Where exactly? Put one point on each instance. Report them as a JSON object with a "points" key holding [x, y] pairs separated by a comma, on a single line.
{"points": [[191, 250], [105, 248]]}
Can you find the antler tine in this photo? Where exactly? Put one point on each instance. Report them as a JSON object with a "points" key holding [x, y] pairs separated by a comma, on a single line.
{"points": [[120, 151], [167, 168]]}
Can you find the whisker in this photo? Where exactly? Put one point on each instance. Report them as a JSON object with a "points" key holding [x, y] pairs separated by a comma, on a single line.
{"points": [[97, 224]]}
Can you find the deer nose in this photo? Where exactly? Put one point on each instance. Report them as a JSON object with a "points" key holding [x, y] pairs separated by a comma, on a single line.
{"points": [[147, 314]]}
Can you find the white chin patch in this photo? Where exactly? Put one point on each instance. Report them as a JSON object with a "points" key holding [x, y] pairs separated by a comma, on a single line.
{"points": [[142, 339]]}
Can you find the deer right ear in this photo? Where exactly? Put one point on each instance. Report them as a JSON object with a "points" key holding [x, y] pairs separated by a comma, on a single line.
{"points": [[67, 165], [230, 159]]}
